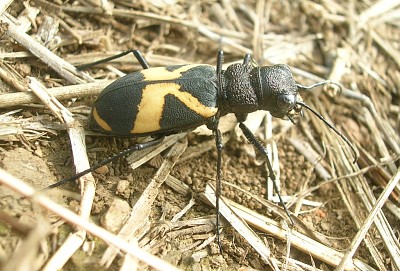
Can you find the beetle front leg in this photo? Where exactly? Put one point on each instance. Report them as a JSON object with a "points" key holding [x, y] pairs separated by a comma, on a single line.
{"points": [[253, 140]]}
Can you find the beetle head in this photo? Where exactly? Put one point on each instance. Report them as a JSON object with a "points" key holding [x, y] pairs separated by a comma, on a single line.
{"points": [[277, 91]]}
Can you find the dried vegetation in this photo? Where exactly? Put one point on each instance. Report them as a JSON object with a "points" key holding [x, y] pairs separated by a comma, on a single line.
{"points": [[346, 214]]}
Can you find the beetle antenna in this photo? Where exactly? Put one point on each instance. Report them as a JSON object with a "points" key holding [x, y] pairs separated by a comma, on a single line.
{"points": [[326, 82], [332, 127]]}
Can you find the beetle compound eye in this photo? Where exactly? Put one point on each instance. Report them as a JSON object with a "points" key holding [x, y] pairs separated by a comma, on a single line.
{"points": [[285, 103]]}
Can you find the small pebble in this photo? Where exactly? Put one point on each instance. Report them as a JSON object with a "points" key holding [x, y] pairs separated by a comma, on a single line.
{"points": [[103, 170], [115, 216], [325, 226], [122, 186]]}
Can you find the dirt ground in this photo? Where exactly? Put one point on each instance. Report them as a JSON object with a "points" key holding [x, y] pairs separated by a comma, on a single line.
{"points": [[161, 203]]}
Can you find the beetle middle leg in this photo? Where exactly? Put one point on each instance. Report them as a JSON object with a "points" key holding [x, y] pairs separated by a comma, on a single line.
{"points": [[219, 144], [213, 125]]}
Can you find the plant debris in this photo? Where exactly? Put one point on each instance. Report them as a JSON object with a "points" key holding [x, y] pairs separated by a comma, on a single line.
{"points": [[345, 214]]}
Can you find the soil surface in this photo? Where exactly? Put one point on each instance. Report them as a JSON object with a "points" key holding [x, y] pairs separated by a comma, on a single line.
{"points": [[35, 146]]}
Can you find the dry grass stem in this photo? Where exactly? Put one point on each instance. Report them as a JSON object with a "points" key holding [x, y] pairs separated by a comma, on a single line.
{"points": [[298, 240], [60, 93], [77, 137], [242, 228], [392, 245], [141, 210], [345, 214], [138, 158], [65, 69], [27, 191]]}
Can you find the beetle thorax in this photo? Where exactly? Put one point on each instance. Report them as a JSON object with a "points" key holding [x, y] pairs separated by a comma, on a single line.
{"points": [[238, 95]]}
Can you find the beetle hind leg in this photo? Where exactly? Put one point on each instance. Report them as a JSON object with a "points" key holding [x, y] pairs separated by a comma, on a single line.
{"points": [[136, 53], [123, 153]]}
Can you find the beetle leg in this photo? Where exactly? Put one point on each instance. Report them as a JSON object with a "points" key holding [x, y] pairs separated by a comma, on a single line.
{"points": [[141, 59], [136, 53], [213, 125], [253, 140], [219, 144], [246, 59], [220, 60], [123, 153]]}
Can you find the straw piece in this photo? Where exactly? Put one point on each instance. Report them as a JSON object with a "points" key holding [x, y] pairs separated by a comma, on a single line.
{"points": [[63, 68], [367, 224], [77, 137], [27, 191], [242, 228], [141, 210], [60, 93], [298, 240]]}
